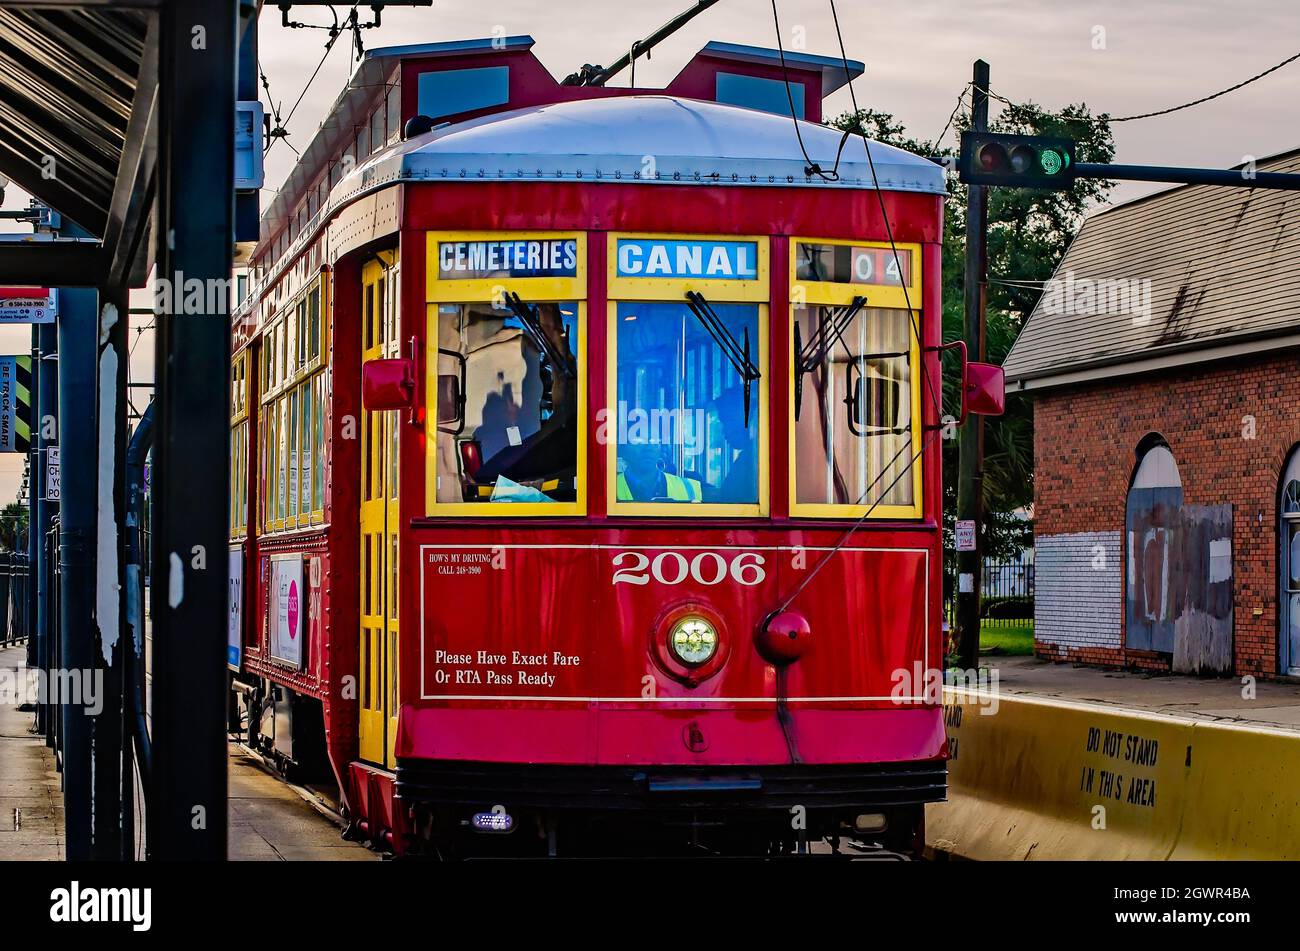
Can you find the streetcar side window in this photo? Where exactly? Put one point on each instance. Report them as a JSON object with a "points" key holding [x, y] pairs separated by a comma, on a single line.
{"points": [[239, 444], [291, 423], [508, 416], [687, 423]]}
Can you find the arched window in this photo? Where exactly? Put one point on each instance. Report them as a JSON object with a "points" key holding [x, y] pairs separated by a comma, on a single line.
{"points": [[1154, 499], [1289, 567], [1157, 469]]}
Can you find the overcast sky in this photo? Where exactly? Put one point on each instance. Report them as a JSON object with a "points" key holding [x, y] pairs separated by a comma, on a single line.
{"points": [[1118, 56]]}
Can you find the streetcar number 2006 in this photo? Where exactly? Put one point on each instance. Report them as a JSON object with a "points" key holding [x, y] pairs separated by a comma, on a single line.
{"points": [[672, 567]]}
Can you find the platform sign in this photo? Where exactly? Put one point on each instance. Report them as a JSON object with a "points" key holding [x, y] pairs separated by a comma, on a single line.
{"points": [[965, 532], [235, 610], [27, 305], [684, 259], [286, 611], [53, 475], [15, 403]]}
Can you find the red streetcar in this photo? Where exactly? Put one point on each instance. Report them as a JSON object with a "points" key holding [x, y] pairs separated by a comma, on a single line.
{"points": [[585, 483]]}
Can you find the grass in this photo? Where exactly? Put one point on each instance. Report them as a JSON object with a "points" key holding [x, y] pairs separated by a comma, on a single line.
{"points": [[1009, 638]]}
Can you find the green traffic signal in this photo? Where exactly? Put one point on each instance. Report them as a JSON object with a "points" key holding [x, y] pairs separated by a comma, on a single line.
{"points": [[1025, 161]]}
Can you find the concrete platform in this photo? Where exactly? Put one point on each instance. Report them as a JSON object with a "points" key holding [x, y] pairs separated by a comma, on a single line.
{"points": [[31, 802], [269, 821], [1064, 762], [1274, 705]]}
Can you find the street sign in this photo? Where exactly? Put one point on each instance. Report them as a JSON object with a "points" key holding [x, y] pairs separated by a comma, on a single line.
{"points": [[27, 305], [965, 532], [52, 478], [15, 403]]}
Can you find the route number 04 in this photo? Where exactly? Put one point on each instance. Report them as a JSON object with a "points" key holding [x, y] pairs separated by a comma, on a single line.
{"points": [[672, 567]]}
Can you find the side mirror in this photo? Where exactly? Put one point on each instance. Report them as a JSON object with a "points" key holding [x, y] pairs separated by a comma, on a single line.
{"points": [[983, 385], [985, 390], [387, 384]]}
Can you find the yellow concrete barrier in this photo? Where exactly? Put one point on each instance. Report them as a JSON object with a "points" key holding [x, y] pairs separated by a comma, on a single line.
{"points": [[1044, 779]]}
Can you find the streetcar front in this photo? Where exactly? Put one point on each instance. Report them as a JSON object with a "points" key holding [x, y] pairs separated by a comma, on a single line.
{"points": [[671, 489]]}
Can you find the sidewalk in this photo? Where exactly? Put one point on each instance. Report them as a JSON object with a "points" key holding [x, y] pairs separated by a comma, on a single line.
{"points": [[31, 803], [1275, 705], [268, 820]]}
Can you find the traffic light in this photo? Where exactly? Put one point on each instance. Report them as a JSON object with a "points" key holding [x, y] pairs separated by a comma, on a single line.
{"points": [[1024, 161]]}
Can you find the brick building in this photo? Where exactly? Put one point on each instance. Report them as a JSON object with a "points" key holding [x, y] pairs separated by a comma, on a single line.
{"points": [[1164, 364]]}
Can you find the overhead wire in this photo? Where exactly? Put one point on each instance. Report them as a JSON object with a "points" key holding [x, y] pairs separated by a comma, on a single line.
{"points": [[335, 32], [935, 399], [1158, 112]]}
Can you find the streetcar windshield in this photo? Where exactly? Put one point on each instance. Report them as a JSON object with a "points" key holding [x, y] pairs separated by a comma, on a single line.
{"points": [[507, 402], [687, 422], [853, 411]]}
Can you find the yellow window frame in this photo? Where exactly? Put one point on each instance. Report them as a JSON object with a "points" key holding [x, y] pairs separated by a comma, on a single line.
{"points": [[481, 290], [878, 296], [625, 289]]}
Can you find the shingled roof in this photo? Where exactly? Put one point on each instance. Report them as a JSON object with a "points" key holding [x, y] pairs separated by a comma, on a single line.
{"points": [[1187, 275]]}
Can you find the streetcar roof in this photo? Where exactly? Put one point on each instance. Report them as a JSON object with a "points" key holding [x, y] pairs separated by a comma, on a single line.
{"points": [[628, 138]]}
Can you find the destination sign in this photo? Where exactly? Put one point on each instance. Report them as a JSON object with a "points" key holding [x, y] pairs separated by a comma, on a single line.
{"points": [[534, 257], [670, 258], [846, 264]]}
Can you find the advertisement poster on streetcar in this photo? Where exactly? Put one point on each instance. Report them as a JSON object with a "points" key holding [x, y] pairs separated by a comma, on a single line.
{"points": [[235, 611], [285, 611]]}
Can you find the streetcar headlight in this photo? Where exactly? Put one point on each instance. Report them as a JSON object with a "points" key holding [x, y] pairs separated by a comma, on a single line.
{"points": [[693, 640]]}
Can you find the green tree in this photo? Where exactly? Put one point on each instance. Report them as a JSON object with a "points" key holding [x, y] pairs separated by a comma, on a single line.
{"points": [[1028, 232], [13, 526]]}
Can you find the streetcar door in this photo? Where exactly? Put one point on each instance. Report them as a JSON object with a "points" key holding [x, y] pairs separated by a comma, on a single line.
{"points": [[380, 431]]}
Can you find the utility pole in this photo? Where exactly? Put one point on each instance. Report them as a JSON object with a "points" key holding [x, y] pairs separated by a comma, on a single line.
{"points": [[970, 441]]}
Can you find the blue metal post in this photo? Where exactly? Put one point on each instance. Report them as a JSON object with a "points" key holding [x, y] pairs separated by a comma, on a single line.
{"points": [[78, 337], [45, 433]]}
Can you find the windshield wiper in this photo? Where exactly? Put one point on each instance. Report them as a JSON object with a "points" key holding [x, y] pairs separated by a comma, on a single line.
{"points": [[736, 352], [532, 326], [828, 333]]}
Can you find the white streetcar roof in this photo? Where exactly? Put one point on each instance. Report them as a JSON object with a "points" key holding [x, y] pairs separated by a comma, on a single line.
{"points": [[645, 138]]}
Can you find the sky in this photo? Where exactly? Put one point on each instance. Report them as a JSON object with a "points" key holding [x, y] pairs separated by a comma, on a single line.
{"points": [[1118, 56]]}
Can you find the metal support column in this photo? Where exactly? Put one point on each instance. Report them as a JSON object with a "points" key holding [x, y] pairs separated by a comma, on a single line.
{"points": [[187, 812], [110, 744], [45, 433], [78, 333]]}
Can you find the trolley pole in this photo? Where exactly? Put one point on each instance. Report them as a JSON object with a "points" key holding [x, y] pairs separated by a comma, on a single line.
{"points": [[970, 441]]}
